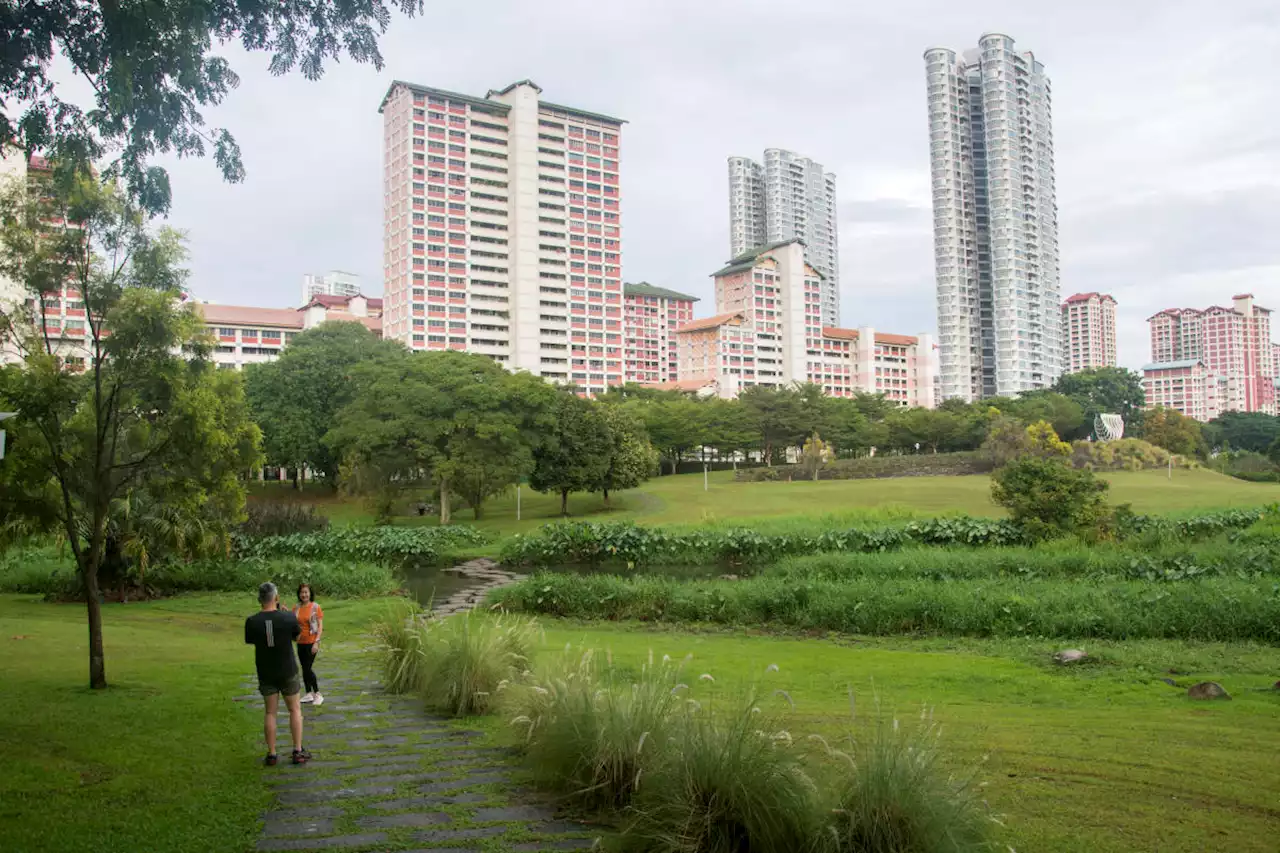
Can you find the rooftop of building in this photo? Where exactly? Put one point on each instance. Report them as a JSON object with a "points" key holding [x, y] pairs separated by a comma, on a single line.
{"points": [[1085, 297], [839, 334], [1172, 365], [684, 385], [332, 301], [710, 322], [747, 260], [644, 288], [489, 103], [244, 315]]}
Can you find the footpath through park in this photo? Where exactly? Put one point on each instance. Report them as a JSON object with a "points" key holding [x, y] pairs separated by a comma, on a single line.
{"points": [[386, 776]]}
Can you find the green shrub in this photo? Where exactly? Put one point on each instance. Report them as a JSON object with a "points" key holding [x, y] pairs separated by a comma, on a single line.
{"points": [[399, 545], [264, 518], [1047, 498], [1124, 454], [731, 780], [1205, 608], [467, 660], [593, 737], [872, 467], [891, 794]]}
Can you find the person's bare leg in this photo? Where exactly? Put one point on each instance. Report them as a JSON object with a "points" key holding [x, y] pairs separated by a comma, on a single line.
{"points": [[269, 722], [295, 719]]}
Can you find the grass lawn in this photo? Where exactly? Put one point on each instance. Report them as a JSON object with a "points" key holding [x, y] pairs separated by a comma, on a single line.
{"points": [[163, 759], [1100, 758], [681, 499]]}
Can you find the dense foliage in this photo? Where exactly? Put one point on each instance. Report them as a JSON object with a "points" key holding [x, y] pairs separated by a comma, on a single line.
{"points": [[1046, 497], [391, 545]]}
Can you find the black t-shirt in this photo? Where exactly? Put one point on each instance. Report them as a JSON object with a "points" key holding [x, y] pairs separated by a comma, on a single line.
{"points": [[271, 633]]}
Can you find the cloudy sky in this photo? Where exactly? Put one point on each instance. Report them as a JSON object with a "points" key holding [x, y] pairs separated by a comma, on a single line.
{"points": [[1166, 124]]}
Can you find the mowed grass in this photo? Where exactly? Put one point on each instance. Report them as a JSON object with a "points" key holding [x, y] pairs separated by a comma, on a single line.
{"points": [[682, 500], [1105, 757], [161, 760]]}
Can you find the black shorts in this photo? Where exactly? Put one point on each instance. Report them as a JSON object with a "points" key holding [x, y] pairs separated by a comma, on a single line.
{"points": [[291, 686]]}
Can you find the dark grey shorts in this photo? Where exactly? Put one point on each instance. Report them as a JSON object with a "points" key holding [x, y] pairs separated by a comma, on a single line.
{"points": [[291, 686]]}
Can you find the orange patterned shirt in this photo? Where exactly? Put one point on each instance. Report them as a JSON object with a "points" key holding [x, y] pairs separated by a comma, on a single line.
{"points": [[309, 616]]}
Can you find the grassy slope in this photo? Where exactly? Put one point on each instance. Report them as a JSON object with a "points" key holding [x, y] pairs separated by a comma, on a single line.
{"points": [[681, 499], [1102, 758], [163, 759]]}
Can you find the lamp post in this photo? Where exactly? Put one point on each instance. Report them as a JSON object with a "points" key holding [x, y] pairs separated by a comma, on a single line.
{"points": [[4, 416]]}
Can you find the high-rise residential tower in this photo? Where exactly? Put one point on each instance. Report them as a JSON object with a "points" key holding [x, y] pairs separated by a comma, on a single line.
{"points": [[788, 196], [332, 283], [995, 220], [502, 230], [1088, 332]]}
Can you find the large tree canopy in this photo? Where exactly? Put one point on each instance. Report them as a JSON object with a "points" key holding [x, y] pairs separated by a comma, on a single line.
{"points": [[152, 69], [122, 417], [1105, 389]]}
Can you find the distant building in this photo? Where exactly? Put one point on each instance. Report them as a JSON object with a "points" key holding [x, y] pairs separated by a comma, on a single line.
{"points": [[502, 230], [651, 316], [1234, 344], [789, 196], [332, 283], [769, 331], [246, 335], [995, 220], [1089, 331], [1187, 386]]}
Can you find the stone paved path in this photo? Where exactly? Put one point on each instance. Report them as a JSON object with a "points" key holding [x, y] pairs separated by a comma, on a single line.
{"points": [[386, 776]]}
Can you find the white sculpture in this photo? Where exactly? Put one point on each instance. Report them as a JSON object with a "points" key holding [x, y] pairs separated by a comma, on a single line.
{"points": [[1108, 427]]}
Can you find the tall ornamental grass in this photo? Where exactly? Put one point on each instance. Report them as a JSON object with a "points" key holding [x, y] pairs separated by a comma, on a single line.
{"points": [[591, 734]]}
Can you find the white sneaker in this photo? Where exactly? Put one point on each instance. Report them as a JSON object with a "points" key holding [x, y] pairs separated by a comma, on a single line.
{"points": [[307, 697], [318, 699]]}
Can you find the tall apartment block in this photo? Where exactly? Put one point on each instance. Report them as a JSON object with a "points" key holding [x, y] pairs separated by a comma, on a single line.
{"points": [[769, 330], [332, 283], [788, 196], [1088, 331], [1232, 344], [995, 220], [651, 317], [502, 230]]}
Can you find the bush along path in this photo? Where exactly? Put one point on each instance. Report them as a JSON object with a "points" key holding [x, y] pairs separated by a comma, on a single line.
{"points": [[385, 776]]}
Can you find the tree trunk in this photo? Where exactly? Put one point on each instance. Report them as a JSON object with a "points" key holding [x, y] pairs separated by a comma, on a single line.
{"points": [[564, 502], [296, 485], [606, 497], [445, 517], [475, 510], [97, 656]]}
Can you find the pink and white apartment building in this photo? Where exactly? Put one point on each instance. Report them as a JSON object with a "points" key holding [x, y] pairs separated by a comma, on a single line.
{"points": [[1089, 331], [1185, 385], [503, 230], [652, 315], [769, 331], [245, 335], [1234, 344]]}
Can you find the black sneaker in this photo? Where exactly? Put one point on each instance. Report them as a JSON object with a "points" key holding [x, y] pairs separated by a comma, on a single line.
{"points": [[301, 756], [271, 759]]}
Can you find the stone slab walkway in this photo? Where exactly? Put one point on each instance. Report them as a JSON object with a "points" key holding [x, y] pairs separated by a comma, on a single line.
{"points": [[386, 776]]}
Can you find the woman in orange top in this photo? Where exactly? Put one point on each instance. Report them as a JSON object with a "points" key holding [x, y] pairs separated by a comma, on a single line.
{"points": [[311, 620]]}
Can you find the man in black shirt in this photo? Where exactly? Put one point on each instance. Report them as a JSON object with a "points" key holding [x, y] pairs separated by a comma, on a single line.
{"points": [[271, 632]]}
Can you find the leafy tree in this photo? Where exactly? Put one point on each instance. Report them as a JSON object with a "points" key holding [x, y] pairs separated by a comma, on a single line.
{"points": [[1006, 440], [632, 458], [1048, 497], [1105, 389], [726, 426], [152, 69], [1064, 414], [675, 425], [1043, 441], [1174, 431], [136, 413], [874, 407], [296, 399], [848, 429], [1254, 431], [931, 428], [575, 455], [780, 417], [1273, 452], [814, 456], [456, 422]]}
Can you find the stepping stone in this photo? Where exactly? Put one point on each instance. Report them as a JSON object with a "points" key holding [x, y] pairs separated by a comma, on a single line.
{"points": [[299, 826], [331, 794], [466, 782], [431, 836], [511, 813], [330, 843], [373, 769], [302, 813], [412, 819], [405, 804], [562, 844]]}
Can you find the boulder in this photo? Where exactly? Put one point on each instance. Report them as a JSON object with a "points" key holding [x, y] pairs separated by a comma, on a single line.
{"points": [[1207, 690], [1067, 656]]}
